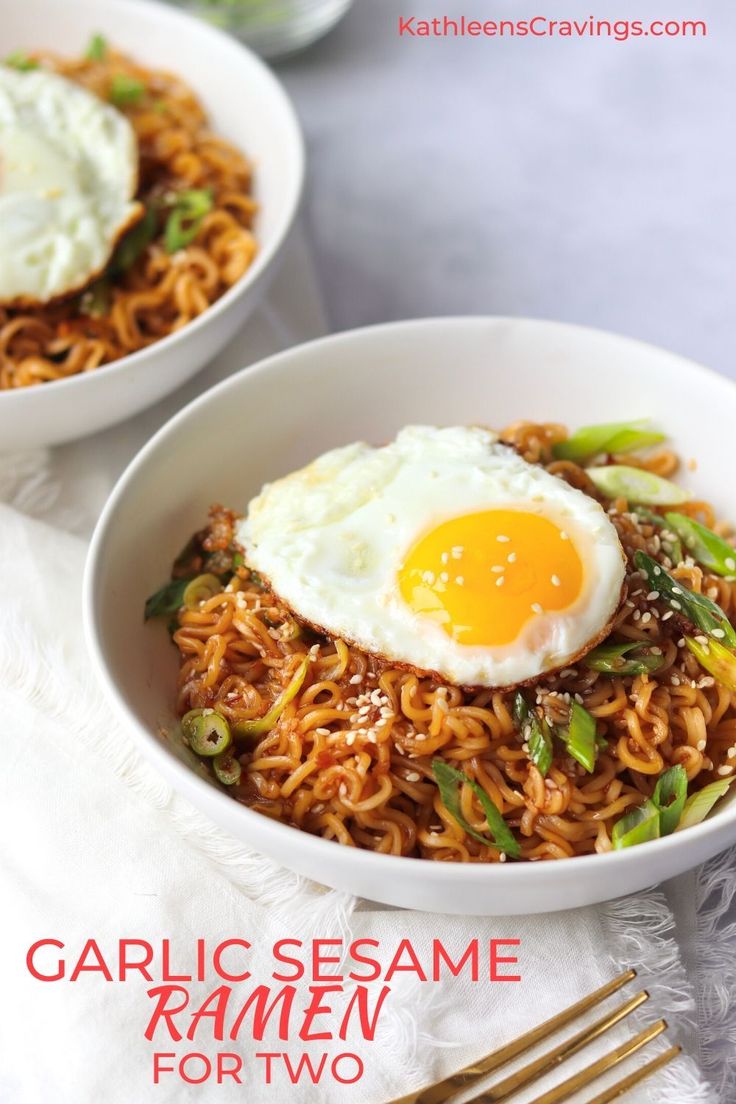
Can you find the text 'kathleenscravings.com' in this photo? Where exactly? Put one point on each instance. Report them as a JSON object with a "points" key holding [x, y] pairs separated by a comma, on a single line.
{"points": [[541, 26]]}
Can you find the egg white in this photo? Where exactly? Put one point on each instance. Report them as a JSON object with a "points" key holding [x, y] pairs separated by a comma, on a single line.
{"points": [[331, 539], [68, 174]]}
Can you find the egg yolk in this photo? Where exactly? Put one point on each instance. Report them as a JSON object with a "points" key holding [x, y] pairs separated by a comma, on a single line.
{"points": [[484, 576]]}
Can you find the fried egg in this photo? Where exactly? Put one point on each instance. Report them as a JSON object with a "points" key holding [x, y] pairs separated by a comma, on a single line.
{"points": [[443, 551], [68, 174]]}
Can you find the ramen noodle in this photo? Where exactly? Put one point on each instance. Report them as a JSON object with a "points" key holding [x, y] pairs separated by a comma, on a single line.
{"points": [[351, 754], [157, 282]]}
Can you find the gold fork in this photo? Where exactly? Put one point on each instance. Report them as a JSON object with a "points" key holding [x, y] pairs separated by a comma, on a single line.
{"points": [[449, 1088]]}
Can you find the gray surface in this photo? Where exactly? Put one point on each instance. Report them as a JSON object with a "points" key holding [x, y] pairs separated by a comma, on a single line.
{"points": [[586, 180]]}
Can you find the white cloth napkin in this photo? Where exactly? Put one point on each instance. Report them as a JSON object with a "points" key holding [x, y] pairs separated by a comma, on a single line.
{"points": [[93, 844]]}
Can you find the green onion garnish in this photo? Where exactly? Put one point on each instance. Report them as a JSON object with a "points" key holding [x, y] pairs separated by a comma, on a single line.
{"points": [[96, 300], [200, 589], [96, 48], [637, 826], [188, 210], [704, 545], [125, 90], [253, 729], [580, 737], [700, 804], [669, 797], [536, 733], [20, 60], [227, 768], [670, 541], [696, 608], [636, 485], [167, 599], [449, 780], [610, 659], [613, 437], [206, 732], [133, 243], [717, 661]]}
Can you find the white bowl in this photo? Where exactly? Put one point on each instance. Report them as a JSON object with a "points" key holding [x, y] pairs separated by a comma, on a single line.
{"points": [[248, 106], [366, 384]]}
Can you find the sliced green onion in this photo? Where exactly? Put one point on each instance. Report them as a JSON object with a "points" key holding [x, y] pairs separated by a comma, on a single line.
{"points": [[696, 608], [206, 732], [636, 485], [20, 60], [227, 768], [132, 244], [704, 545], [252, 730], [200, 589], [700, 804], [182, 225], [670, 541], [126, 90], [609, 659], [449, 780], [536, 732], [95, 301], [637, 826], [96, 48], [167, 599], [238, 560], [580, 737], [669, 797], [717, 661], [611, 437]]}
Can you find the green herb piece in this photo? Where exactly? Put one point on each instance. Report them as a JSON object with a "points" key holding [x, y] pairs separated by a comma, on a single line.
{"points": [[704, 545], [200, 589], [20, 60], [96, 48], [188, 210], [699, 804], [669, 797], [238, 560], [133, 243], [670, 541], [637, 826], [167, 599], [207, 733], [536, 732], [717, 661], [96, 300], [227, 768], [615, 437], [125, 91], [449, 780], [252, 730], [636, 485], [696, 608], [609, 659], [580, 738]]}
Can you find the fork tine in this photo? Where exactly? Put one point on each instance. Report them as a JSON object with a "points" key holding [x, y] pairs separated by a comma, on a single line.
{"points": [[634, 1078], [546, 1062], [579, 1080], [440, 1092]]}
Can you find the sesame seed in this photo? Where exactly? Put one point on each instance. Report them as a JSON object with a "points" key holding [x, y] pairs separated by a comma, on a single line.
{"points": [[731, 563], [579, 699], [356, 679], [675, 680], [718, 633], [702, 640], [502, 856], [637, 615], [555, 580], [350, 738], [712, 592], [676, 605], [511, 558], [457, 551], [498, 568], [681, 642], [459, 580], [322, 732], [656, 650], [444, 577], [700, 745], [676, 590], [413, 776], [731, 753], [657, 570], [724, 770], [505, 540], [666, 616], [536, 608], [652, 596], [563, 535], [445, 557], [500, 580], [645, 617]]}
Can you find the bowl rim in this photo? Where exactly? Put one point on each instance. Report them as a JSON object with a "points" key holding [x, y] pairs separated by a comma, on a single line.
{"points": [[507, 873], [264, 256]]}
